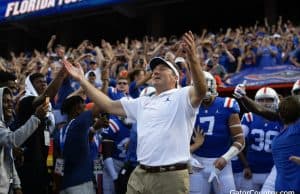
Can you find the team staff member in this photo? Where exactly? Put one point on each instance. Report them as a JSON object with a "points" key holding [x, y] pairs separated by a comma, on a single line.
{"points": [[164, 123]]}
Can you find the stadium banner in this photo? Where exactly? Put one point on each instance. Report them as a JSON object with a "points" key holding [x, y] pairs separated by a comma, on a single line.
{"points": [[11, 10], [265, 76]]}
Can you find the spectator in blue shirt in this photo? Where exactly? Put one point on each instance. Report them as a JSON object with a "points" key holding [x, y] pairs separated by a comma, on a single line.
{"points": [[75, 148], [266, 53]]}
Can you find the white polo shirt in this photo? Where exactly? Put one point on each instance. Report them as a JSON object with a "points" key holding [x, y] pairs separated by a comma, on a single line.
{"points": [[164, 126]]}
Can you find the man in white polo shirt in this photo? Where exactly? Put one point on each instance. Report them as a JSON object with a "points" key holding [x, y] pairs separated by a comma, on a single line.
{"points": [[164, 123]]}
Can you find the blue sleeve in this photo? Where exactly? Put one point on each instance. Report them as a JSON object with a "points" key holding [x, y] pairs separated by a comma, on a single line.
{"points": [[110, 93], [133, 90], [64, 91], [112, 82], [236, 107], [112, 131], [232, 105], [244, 120]]}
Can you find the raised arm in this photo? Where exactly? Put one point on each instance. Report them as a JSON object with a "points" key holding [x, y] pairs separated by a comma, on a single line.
{"points": [[199, 88], [104, 102], [50, 43], [144, 80], [252, 106], [105, 80], [53, 87]]}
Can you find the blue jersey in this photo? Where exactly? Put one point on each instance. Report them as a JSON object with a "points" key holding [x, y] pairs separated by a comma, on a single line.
{"points": [[115, 94], [214, 121], [119, 133], [287, 144], [134, 91], [259, 137]]}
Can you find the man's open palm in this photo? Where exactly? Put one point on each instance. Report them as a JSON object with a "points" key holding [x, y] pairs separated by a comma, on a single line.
{"points": [[75, 71]]}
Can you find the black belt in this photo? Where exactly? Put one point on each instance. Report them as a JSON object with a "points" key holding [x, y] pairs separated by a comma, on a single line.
{"points": [[155, 169]]}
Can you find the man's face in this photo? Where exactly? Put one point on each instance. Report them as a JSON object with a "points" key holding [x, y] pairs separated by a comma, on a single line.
{"points": [[163, 76], [215, 59], [93, 66], [60, 51], [8, 107], [92, 79], [39, 84], [266, 102], [122, 85]]}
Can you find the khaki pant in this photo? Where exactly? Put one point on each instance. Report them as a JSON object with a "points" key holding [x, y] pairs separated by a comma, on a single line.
{"points": [[171, 182]]}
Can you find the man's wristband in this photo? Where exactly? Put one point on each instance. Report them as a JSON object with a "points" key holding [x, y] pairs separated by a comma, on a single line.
{"points": [[233, 151]]}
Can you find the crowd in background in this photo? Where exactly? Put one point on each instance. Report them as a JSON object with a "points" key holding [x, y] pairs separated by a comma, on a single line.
{"points": [[122, 69], [222, 53]]}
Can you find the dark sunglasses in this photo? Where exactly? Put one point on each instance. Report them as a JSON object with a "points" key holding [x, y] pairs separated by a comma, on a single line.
{"points": [[122, 83]]}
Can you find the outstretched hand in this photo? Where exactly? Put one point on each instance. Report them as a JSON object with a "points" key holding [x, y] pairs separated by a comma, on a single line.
{"points": [[190, 46], [198, 136], [75, 71]]}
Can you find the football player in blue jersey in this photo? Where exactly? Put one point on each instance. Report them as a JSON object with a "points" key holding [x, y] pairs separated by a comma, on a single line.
{"points": [[259, 134], [240, 94], [224, 139]]}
